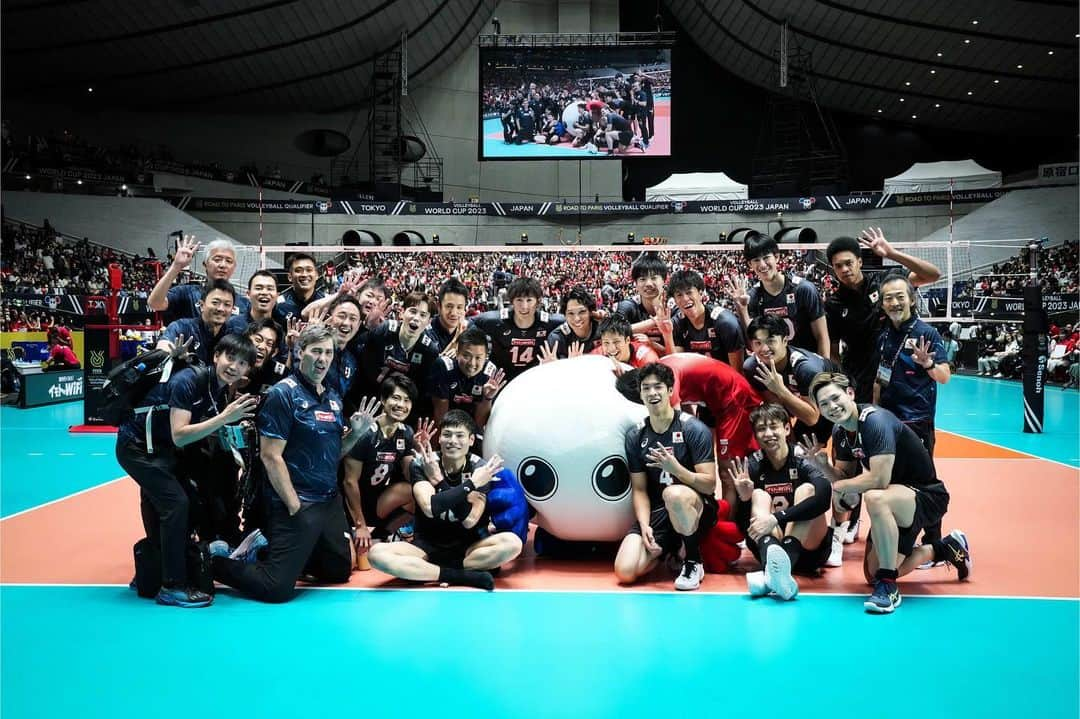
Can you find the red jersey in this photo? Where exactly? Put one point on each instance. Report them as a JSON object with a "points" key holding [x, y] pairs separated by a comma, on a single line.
{"points": [[726, 393], [62, 356]]}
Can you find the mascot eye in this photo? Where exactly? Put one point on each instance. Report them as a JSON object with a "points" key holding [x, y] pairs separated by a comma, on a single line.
{"points": [[538, 478], [611, 479]]}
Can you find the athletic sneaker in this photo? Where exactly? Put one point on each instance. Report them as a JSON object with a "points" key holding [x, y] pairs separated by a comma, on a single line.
{"points": [[851, 535], [931, 564], [885, 599], [186, 598], [778, 573], [644, 143], [219, 548], [406, 532], [836, 554], [959, 553], [691, 576], [756, 584], [248, 550]]}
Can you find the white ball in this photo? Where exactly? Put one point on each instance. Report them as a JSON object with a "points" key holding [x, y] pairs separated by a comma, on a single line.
{"points": [[561, 428]]}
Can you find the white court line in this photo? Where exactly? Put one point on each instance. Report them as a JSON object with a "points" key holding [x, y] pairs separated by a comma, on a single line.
{"points": [[615, 592], [66, 454], [1027, 455], [60, 499], [35, 454]]}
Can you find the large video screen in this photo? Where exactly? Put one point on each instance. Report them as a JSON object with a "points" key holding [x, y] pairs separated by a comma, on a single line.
{"points": [[584, 103]]}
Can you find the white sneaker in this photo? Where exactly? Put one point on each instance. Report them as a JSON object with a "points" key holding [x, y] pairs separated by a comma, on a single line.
{"points": [[931, 564], [778, 573], [756, 584], [690, 577], [247, 550], [836, 554], [851, 534]]}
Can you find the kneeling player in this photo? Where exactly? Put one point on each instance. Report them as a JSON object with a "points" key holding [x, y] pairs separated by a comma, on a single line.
{"points": [[897, 481], [452, 543], [783, 499], [673, 480]]}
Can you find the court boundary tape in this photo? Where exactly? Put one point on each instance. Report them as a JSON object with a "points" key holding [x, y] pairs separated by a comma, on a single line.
{"points": [[1027, 455], [507, 590], [61, 499]]}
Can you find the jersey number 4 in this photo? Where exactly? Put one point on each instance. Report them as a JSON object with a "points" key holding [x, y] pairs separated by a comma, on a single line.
{"points": [[521, 356]]}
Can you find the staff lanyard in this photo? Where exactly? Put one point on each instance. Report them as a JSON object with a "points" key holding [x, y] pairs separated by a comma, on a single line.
{"points": [[898, 349]]}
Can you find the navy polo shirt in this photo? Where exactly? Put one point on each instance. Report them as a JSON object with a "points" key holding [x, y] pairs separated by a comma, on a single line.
{"points": [[289, 305], [461, 392], [311, 426], [342, 371], [186, 301], [911, 393], [190, 389], [205, 341]]}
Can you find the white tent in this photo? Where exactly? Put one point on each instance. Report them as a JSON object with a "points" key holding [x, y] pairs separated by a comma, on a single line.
{"points": [[943, 176], [697, 186]]}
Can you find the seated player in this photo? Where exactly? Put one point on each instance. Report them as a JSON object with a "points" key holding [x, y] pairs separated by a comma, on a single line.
{"points": [[783, 500], [452, 544], [882, 459], [466, 380], [580, 334], [616, 342], [706, 329], [376, 468], [672, 479], [61, 357], [725, 394], [783, 374]]}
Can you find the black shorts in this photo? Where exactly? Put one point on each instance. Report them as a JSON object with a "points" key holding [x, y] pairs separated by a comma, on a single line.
{"points": [[810, 561], [444, 554], [931, 503], [664, 533], [625, 137]]}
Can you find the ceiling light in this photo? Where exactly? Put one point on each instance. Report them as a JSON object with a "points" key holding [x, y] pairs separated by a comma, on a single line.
{"points": [[939, 54], [967, 42], [914, 117], [937, 104], [901, 99], [90, 89], [970, 93], [933, 72], [997, 82], [1049, 52], [974, 22], [1019, 67], [28, 176], [78, 182], [908, 84]]}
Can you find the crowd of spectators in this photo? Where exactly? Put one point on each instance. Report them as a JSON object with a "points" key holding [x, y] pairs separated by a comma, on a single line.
{"points": [[41, 261], [1057, 273]]}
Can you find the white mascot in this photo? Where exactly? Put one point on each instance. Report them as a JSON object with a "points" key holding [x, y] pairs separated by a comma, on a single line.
{"points": [[560, 428]]}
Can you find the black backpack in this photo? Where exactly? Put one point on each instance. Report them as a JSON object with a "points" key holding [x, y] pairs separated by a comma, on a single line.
{"points": [[128, 384], [200, 572]]}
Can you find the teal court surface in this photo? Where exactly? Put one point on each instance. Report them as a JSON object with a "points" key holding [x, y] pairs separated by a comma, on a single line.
{"points": [[79, 643]]}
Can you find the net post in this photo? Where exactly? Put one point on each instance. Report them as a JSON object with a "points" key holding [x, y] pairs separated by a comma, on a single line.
{"points": [[1034, 351], [949, 280]]}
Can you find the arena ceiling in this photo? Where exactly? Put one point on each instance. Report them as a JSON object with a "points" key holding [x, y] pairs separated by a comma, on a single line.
{"points": [[236, 55], [989, 65]]}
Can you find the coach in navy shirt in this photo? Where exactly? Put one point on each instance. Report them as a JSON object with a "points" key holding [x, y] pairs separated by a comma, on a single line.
{"points": [[186, 300], [300, 427], [209, 327]]}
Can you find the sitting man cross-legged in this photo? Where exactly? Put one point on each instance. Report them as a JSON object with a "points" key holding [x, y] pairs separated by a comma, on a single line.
{"points": [[673, 481], [452, 544], [783, 500]]}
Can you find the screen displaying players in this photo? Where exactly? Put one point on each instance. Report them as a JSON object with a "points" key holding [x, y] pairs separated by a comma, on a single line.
{"points": [[575, 103]]}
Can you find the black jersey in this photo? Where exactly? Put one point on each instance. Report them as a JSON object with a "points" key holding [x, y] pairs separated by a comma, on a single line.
{"points": [[512, 348], [719, 335], [797, 303], [635, 312], [780, 484], [802, 366], [563, 337], [441, 532], [855, 318], [880, 432], [382, 457], [687, 438], [450, 383], [383, 354]]}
